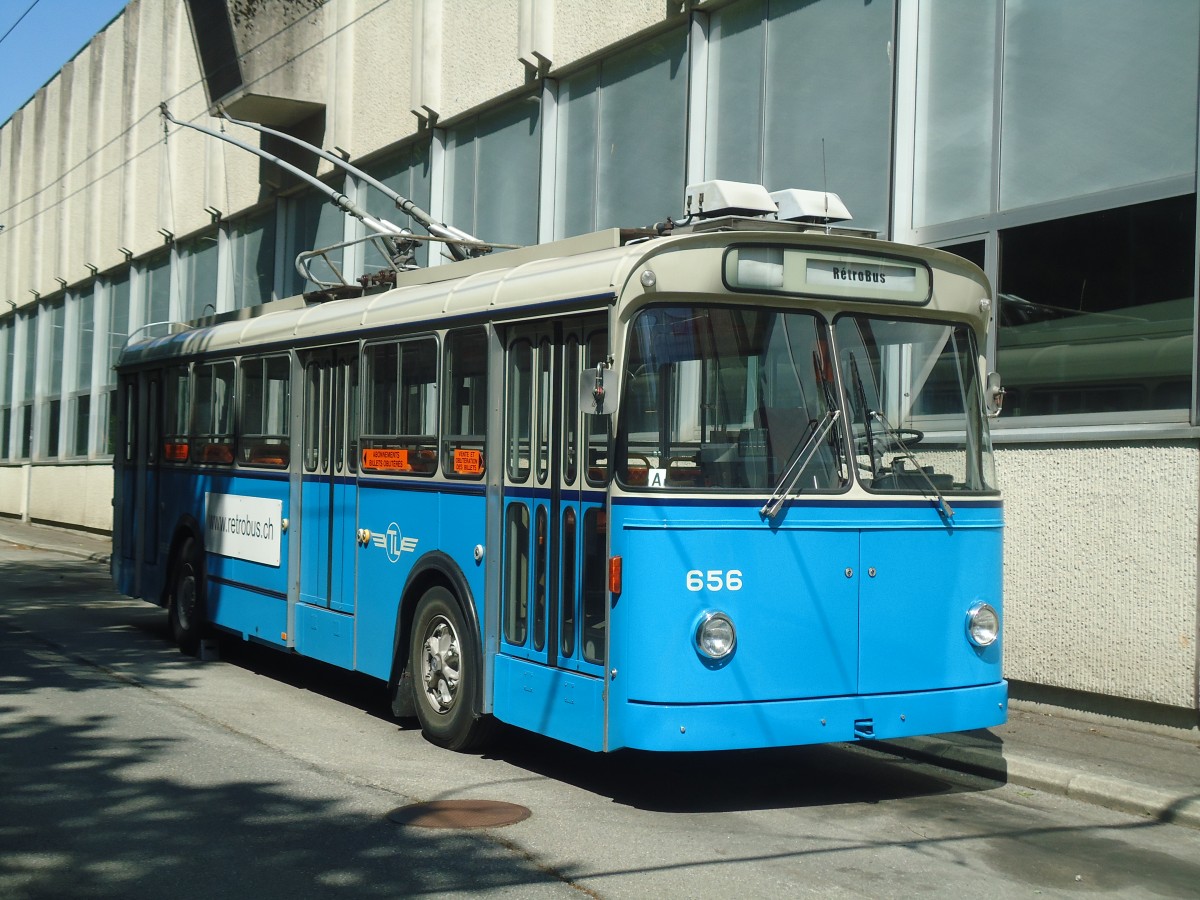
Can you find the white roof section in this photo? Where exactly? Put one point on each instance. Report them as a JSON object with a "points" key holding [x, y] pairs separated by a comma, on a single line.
{"points": [[590, 267]]}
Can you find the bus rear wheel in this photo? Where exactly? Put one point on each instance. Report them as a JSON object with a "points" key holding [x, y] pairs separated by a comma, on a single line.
{"points": [[446, 675], [185, 610]]}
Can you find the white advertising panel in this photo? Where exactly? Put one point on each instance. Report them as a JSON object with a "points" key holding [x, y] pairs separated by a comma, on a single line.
{"points": [[243, 527]]}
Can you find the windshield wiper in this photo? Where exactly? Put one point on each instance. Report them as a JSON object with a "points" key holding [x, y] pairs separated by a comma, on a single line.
{"points": [[860, 396], [944, 506], [800, 458]]}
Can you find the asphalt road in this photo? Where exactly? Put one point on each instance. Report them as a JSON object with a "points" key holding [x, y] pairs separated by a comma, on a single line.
{"points": [[130, 770]]}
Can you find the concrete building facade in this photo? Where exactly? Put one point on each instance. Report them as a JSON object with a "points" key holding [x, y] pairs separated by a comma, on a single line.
{"points": [[1053, 142]]}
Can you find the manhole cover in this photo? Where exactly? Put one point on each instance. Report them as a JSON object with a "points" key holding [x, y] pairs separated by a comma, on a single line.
{"points": [[459, 814]]}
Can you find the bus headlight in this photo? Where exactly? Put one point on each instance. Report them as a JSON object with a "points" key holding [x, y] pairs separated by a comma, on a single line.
{"points": [[715, 635], [983, 624]]}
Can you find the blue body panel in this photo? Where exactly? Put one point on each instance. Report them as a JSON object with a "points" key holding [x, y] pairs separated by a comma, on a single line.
{"points": [[564, 705], [850, 615], [325, 634], [842, 610], [407, 520]]}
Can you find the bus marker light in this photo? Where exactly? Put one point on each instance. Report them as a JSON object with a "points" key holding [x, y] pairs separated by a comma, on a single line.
{"points": [[614, 574]]}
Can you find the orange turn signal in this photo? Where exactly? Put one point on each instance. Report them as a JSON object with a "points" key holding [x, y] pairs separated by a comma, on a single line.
{"points": [[614, 574]]}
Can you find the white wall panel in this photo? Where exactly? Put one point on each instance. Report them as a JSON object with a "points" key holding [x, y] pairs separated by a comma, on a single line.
{"points": [[1100, 568]]}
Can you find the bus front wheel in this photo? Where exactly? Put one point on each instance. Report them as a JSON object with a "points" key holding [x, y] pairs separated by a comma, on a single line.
{"points": [[445, 675], [186, 605]]}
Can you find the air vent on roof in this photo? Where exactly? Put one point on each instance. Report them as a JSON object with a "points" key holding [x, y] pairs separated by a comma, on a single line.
{"points": [[709, 199], [810, 206]]}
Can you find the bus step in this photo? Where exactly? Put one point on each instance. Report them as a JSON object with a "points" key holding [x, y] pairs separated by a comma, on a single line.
{"points": [[864, 729]]}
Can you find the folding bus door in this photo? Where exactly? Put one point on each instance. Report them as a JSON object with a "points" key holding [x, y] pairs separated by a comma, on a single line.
{"points": [[324, 626], [549, 673], [137, 490]]}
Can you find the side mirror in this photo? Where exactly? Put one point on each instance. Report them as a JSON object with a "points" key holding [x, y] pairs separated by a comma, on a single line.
{"points": [[994, 395], [598, 391]]}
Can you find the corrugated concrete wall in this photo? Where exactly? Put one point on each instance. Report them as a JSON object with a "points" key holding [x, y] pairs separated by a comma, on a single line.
{"points": [[1100, 568]]}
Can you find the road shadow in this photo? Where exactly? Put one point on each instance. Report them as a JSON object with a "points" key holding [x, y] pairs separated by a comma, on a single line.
{"points": [[104, 804], [813, 776]]}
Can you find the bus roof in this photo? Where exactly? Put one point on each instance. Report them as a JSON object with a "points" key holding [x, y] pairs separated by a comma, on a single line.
{"points": [[588, 268]]}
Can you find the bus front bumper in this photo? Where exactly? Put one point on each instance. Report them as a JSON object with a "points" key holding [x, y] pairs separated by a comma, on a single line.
{"points": [[785, 723]]}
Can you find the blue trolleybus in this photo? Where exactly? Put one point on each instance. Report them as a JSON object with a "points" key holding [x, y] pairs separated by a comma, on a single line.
{"points": [[725, 487]]}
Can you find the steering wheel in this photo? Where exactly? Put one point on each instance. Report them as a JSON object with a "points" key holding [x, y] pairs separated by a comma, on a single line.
{"points": [[891, 439]]}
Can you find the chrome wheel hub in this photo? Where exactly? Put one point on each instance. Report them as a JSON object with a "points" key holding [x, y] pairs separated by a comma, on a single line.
{"points": [[440, 665]]}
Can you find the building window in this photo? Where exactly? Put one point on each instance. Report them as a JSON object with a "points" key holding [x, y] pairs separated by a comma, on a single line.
{"points": [[492, 170], [406, 173], [198, 263], [252, 244], [621, 147], [120, 298], [956, 81], [157, 279], [6, 367], [1096, 311], [49, 375], [800, 95], [1080, 110], [80, 412], [24, 414], [315, 223]]}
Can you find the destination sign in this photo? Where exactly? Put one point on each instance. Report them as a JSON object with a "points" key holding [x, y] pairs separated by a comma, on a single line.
{"points": [[775, 269]]}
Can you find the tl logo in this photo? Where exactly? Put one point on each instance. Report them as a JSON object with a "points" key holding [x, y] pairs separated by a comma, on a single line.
{"points": [[394, 543]]}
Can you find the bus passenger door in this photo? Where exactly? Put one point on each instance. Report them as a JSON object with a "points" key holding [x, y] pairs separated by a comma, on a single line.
{"points": [[549, 675], [328, 501], [137, 486]]}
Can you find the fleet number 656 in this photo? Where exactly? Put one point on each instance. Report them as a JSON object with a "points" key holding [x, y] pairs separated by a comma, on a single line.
{"points": [[714, 580]]}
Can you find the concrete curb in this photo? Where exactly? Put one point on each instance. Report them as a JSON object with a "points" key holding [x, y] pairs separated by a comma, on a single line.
{"points": [[97, 556], [1163, 805]]}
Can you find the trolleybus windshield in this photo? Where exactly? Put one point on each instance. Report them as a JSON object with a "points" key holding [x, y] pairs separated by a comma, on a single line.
{"points": [[720, 399], [913, 405], [727, 398]]}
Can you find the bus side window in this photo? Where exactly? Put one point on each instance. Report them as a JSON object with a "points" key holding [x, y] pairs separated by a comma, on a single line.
{"points": [[597, 429], [213, 423], [464, 404], [400, 408], [265, 410], [131, 450], [516, 568], [518, 432], [595, 585], [177, 413]]}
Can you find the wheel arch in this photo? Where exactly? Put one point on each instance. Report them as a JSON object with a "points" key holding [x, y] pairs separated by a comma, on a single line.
{"points": [[186, 527], [434, 569]]}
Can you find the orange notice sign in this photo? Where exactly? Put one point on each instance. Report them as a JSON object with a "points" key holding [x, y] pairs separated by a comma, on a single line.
{"points": [[175, 452], [468, 462], [386, 460]]}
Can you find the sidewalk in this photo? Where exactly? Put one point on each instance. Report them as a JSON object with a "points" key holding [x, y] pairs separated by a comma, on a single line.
{"points": [[80, 544], [1143, 769]]}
